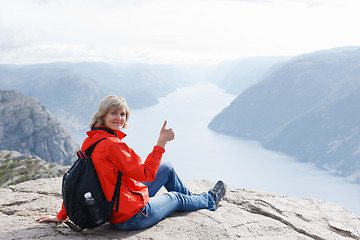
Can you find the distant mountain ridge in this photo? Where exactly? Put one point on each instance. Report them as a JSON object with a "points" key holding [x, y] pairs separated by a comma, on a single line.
{"points": [[67, 95], [307, 108], [72, 91], [28, 127]]}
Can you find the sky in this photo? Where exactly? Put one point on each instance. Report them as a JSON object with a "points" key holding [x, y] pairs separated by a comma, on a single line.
{"points": [[172, 31]]}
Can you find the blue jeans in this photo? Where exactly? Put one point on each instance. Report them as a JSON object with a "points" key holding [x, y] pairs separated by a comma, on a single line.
{"points": [[178, 198]]}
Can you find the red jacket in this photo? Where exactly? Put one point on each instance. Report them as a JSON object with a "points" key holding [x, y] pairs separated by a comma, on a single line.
{"points": [[111, 155]]}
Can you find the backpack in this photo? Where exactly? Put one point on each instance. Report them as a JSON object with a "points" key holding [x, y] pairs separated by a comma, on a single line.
{"points": [[82, 178]]}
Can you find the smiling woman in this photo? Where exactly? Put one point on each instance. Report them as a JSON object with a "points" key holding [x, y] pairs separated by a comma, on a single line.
{"points": [[136, 206], [113, 112]]}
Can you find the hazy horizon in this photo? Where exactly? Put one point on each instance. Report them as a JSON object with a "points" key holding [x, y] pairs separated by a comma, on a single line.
{"points": [[171, 32]]}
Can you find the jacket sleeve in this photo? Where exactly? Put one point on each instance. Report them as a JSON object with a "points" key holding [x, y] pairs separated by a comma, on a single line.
{"points": [[130, 164], [62, 215]]}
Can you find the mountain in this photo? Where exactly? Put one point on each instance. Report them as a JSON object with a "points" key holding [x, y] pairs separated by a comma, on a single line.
{"points": [[122, 78], [16, 167], [237, 75], [307, 109], [28, 127], [243, 214]]}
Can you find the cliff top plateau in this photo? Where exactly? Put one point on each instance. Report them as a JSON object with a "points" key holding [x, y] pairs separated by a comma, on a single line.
{"points": [[243, 214]]}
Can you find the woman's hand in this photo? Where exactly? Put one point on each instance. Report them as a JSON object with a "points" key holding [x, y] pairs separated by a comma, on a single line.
{"points": [[48, 218], [166, 135]]}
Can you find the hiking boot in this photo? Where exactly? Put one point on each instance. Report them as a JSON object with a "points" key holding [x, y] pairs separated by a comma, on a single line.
{"points": [[218, 192]]}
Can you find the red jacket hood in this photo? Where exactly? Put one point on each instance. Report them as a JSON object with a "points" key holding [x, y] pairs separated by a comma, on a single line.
{"points": [[96, 135]]}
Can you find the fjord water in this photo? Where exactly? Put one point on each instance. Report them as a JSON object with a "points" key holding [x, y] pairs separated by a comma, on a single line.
{"points": [[199, 153]]}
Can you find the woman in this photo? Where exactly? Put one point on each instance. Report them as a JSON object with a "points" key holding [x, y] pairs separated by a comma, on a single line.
{"points": [[139, 208]]}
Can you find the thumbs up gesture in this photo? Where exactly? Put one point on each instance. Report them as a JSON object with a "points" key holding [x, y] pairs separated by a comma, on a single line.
{"points": [[166, 135]]}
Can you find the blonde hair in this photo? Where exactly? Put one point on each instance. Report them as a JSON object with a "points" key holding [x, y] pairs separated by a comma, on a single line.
{"points": [[107, 104]]}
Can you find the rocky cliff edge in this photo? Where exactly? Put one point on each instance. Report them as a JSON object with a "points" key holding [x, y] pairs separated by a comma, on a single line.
{"points": [[28, 127], [243, 214]]}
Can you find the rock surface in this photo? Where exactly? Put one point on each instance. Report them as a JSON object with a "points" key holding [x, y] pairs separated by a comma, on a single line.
{"points": [[28, 127], [243, 214]]}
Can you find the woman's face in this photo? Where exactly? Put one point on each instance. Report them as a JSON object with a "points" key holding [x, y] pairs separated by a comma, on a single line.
{"points": [[115, 119]]}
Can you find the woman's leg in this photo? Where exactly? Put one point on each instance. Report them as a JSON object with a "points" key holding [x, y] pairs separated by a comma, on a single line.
{"points": [[179, 198], [167, 177], [161, 206]]}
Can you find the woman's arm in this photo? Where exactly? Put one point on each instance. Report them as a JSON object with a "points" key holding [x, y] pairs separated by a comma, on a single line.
{"points": [[62, 215], [47, 218], [130, 164]]}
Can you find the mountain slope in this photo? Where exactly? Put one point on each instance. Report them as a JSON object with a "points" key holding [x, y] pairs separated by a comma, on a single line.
{"points": [[27, 127], [16, 167], [329, 135]]}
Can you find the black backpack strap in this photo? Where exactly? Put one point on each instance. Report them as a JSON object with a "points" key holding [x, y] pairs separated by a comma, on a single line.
{"points": [[89, 150], [81, 155], [116, 196], [104, 129]]}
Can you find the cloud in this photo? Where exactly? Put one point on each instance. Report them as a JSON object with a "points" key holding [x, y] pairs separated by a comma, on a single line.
{"points": [[9, 39], [171, 31]]}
